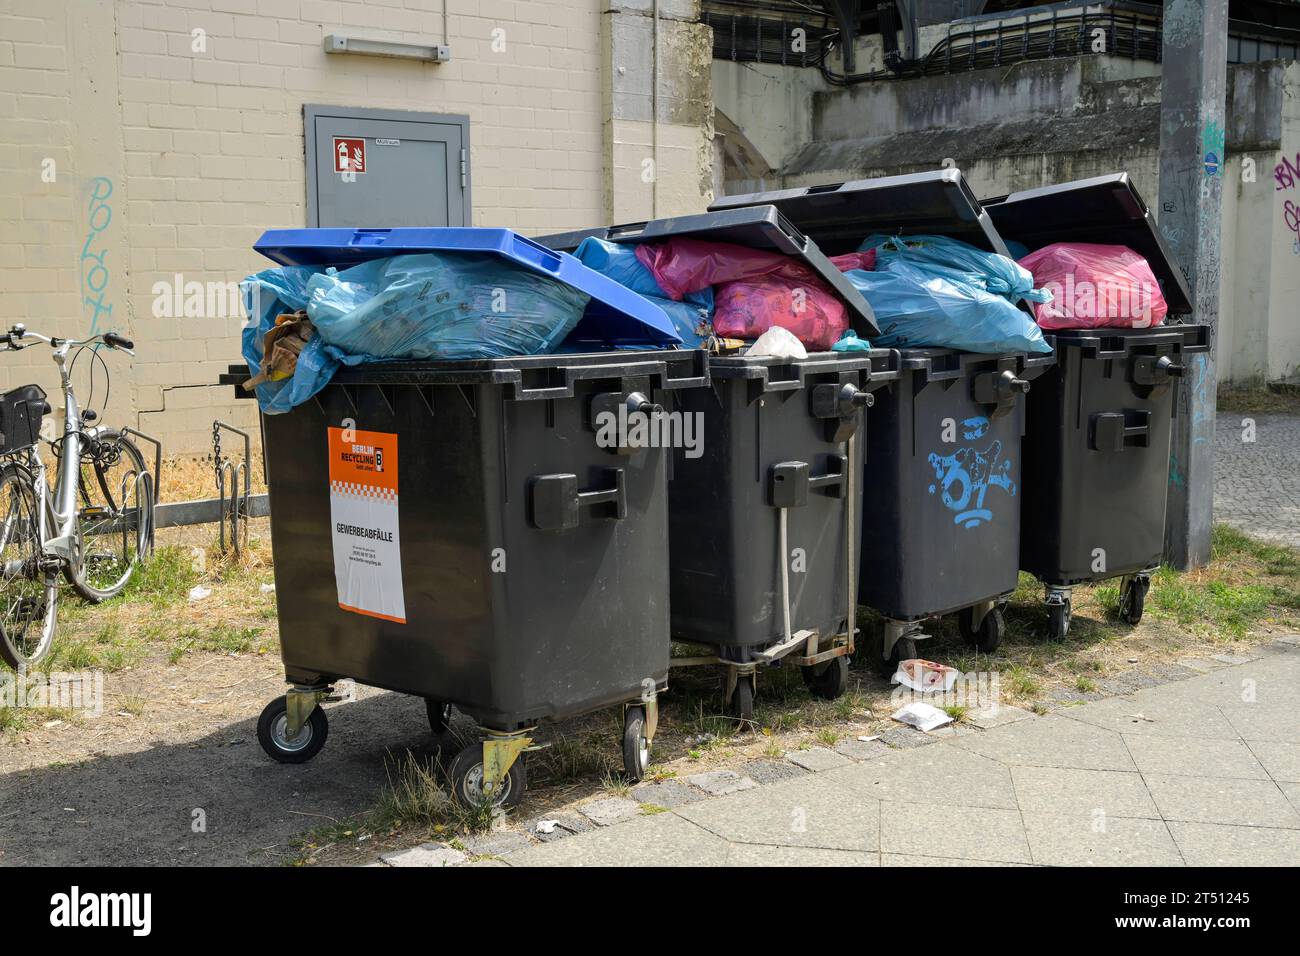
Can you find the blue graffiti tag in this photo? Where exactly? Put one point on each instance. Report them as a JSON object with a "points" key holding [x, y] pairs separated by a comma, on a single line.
{"points": [[966, 476]]}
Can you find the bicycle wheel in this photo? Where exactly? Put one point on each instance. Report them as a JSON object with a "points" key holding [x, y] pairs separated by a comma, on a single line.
{"points": [[28, 594], [114, 516]]}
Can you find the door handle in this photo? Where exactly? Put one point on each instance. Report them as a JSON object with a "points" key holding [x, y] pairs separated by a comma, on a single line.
{"points": [[1115, 431]]}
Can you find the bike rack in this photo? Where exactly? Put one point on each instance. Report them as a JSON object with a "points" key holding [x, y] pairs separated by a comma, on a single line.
{"points": [[156, 481], [234, 507]]}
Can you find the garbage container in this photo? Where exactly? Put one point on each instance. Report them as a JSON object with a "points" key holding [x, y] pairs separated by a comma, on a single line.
{"points": [[764, 506], [764, 516], [460, 530], [941, 489], [1097, 445]]}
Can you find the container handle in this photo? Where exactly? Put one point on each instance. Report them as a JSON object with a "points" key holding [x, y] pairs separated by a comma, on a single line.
{"points": [[554, 501], [369, 237], [1115, 431]]}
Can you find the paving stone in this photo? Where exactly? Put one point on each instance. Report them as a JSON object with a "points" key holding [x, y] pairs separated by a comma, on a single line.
{"points": [[666, 793], [1242, 803], [1214, 844], [1281, 758], [496, 844], [1291, 640], [956, 729], [1171, 672], [1081, 839], [1053, 741], [426, 854], [809, 811], [817, 759], [1082, 794], [772, 771], [939, 775], [1127, 682], [905, 738], [1199, 664], [1164, 711], [760, 854], [610, 810], [862, 749], [1264, 721], [664, 839], [566, 826], [721, 782], [1257, 484], [966, 833], [1236, 658], [987, 718], [899, 859], [1197, 756]]}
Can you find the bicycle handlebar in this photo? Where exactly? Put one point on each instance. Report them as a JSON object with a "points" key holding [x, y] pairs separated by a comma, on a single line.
{"points": [[13, 339]]}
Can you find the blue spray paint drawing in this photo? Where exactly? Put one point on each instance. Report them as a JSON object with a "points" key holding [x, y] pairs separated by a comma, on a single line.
{"points": [[965, 476]]}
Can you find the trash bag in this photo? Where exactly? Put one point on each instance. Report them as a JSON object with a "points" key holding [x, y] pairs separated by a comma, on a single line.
{"points": [[1095, 286], [804, 305], [267, 295], [690, 316], [958, 261], [442, 306], [855, 260], [849, 342], [753, 289], [920, 306]]}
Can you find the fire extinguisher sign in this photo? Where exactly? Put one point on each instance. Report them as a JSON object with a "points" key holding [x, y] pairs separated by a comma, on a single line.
{"points": [[349, 154], [364, 520]]}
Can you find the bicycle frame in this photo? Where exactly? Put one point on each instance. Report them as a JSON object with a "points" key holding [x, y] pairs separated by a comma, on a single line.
{"points": [[60, 512]]}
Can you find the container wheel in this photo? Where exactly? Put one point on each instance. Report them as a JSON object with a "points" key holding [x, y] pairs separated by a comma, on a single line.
{"points": [[904, 649], [831, 682], [988, 636], [439, 715], [466, 773], [272, 733], [1058, 619], [1133, 599], [742, 699], [636, 748]]}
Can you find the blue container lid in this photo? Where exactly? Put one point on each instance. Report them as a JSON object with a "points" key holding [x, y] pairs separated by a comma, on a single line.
{"points": [[615, 317]]}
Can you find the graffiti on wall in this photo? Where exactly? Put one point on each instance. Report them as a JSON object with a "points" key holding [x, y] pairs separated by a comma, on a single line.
{"points": [[96, 276]]}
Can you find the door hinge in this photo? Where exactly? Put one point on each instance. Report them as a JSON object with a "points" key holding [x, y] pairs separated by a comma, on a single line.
{"points": [[464, 169]]}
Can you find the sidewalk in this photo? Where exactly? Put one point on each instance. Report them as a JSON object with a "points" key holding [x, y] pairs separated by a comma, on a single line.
{"points": [[1257, 484], [1200, 771]]}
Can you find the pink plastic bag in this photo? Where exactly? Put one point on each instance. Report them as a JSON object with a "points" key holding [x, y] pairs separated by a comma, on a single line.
{"points": [[748, 308], [865, 260], [1095, 287], [681, 266], [753, 289]]}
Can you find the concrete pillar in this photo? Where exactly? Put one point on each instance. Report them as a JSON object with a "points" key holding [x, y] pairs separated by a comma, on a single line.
{"points": [[658, 142], [1193, 87]]}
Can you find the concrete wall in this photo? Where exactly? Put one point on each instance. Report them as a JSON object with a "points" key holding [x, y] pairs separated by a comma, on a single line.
{"points": [[1032, 124], [133, 149]]}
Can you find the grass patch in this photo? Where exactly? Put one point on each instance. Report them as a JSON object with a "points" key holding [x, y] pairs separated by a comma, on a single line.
{"points": [[1259, 399], [163, 579]]}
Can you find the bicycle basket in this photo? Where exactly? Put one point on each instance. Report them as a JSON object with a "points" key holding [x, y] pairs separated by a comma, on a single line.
{"points": [[21, 412]]}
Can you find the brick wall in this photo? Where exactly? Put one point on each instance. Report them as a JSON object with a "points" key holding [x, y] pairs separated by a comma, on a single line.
{"points": [[203, 148]]}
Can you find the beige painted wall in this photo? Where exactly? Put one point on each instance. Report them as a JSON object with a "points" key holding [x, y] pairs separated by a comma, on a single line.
{"points": [[201, 145]]}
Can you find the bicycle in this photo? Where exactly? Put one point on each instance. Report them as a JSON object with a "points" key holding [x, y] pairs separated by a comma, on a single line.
{"points": [[93, 527]]}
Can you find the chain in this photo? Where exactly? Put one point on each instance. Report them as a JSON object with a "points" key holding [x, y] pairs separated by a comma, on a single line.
{"points": [[216, 452]]}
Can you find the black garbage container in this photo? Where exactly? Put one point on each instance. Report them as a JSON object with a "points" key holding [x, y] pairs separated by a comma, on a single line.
{"points": [[941, 489], [776, 472], [1097, 445], [477, 534], [942, 517], [764, 516]]}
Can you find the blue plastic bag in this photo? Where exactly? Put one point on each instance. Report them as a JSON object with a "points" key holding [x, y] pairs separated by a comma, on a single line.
{"points": [[916, 307], [266, 295], [959, 261], [442, 306], [849, 342], [691, 317]]}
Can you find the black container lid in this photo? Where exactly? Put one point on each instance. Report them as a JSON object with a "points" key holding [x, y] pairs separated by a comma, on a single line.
{"points": [[1104, 209], [755, 226], [838, 216]]}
